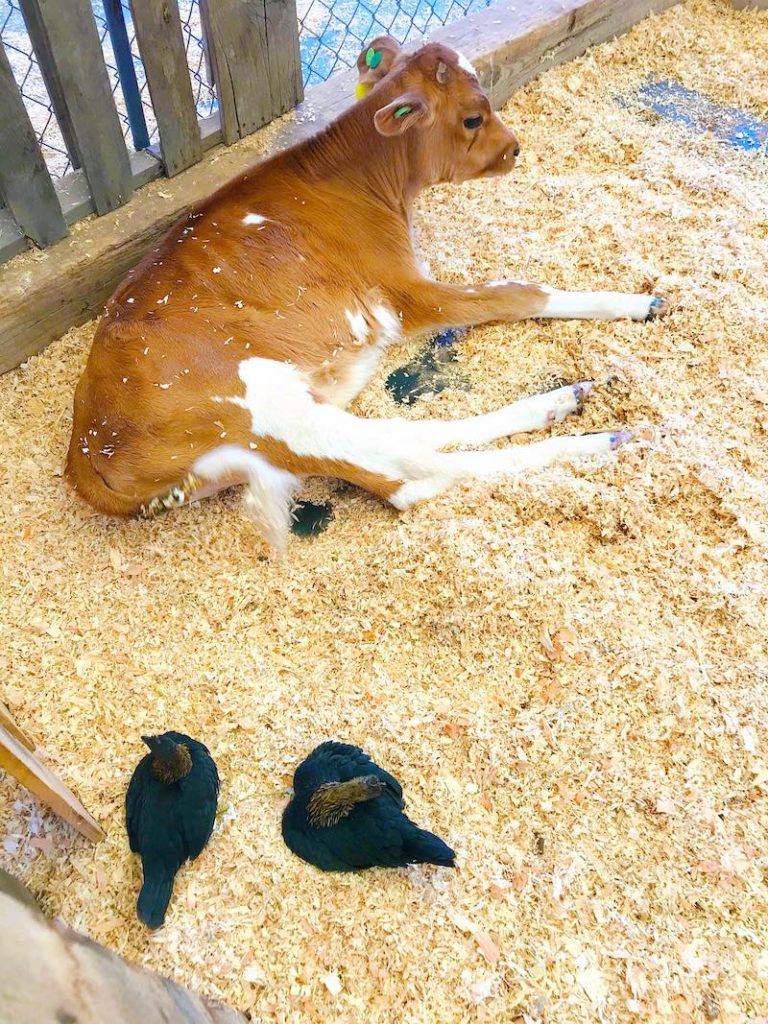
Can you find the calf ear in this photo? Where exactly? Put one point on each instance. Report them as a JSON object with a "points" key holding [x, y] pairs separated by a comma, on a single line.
{"points": [[374, 62], [401, 114]]}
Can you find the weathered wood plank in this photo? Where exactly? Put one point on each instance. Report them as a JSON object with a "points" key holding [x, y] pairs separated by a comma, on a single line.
{"points": [[12, 241], [25, 183], [237, 41], [760, 5], [285, 79], [509, 51], [48, 972], [21, 763], [48, 70], [161, 44], [74, 49]]}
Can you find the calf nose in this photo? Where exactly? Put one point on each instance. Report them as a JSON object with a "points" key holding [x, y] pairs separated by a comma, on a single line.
{"points": [[516, 150]]}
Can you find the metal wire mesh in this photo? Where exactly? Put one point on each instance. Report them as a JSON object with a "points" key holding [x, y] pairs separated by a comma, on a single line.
{"points": [[331, 35], [332, 32]]}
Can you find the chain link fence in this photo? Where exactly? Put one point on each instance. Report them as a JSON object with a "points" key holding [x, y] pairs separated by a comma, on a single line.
{"points": [[332, 33]]}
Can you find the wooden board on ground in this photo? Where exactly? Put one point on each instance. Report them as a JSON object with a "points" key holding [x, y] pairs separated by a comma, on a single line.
{"points": [[73, 47], [8, 722], [161, 42], [17, 759], [509, 49]]}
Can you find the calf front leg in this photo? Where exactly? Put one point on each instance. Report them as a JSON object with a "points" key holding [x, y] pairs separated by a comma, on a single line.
{"points": [[430, 305]]}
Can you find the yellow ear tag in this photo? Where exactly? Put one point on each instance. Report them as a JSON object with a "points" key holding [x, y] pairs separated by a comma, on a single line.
{"points": [[362, 89]]}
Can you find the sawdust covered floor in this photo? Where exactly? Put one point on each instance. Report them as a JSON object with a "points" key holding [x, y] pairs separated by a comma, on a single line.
{"points": [[568, 672]]}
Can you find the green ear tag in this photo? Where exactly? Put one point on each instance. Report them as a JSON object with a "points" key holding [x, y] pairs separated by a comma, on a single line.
{"points": [[402, 111], [373, 58]]}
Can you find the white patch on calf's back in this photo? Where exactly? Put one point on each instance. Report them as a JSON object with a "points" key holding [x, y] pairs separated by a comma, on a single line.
{"points": [[254, 218]]}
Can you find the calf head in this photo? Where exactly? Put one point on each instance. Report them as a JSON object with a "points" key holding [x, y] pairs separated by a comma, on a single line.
{"points": [[434, 96]]}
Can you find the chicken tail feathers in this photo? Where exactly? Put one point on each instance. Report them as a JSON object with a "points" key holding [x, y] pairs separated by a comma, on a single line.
{"points": [[423, 848], [155, 896]]}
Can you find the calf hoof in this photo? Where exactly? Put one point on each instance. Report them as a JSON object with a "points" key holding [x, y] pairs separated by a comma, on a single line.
{"points": [[620, 438], [658, 308], [568, 401], [581, 393]]}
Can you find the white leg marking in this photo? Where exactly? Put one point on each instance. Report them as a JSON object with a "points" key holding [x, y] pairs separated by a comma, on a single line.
{"points": [[533, 413], [597, 305], [341, 391], [268, 500], [281, 407], [455, 466]]}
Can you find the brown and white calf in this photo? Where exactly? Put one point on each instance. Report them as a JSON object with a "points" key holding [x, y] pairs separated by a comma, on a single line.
{"points": [[228, 353]]}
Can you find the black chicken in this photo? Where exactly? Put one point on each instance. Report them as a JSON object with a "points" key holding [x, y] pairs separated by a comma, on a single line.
{"points": [[170, 808], [347, 814]]}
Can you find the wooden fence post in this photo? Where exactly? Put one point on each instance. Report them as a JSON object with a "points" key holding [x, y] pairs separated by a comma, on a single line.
{"points": [[25, 183], [285, 78], [73, 48], [158, 30], [254, 48], [39, 42]]}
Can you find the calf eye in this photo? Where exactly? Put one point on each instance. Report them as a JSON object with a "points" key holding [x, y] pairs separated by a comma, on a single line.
{"points": [[473, 122]]}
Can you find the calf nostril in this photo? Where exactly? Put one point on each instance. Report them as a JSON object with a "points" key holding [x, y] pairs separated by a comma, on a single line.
{"points": [[516, 150]]}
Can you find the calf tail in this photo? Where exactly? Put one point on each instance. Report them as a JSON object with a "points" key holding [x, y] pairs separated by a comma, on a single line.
{"points": [[269, 493]]}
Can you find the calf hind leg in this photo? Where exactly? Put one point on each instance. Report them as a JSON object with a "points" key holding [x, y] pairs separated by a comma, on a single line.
{"points": [[399, 460], [453, 467]]}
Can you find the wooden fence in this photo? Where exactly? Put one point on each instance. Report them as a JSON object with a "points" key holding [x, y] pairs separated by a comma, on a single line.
{"points": [[253, 46]]}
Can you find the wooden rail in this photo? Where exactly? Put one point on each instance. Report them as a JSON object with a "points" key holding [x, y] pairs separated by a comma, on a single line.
{"points": [[254, 53], [18, 758]]}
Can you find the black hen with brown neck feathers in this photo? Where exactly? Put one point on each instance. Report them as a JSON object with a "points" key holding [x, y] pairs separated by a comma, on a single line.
{"points": [[347, 814], [170, 808]]}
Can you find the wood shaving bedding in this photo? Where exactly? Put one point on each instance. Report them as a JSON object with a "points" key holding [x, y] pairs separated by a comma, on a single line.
{"points": [[568, 671]]}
